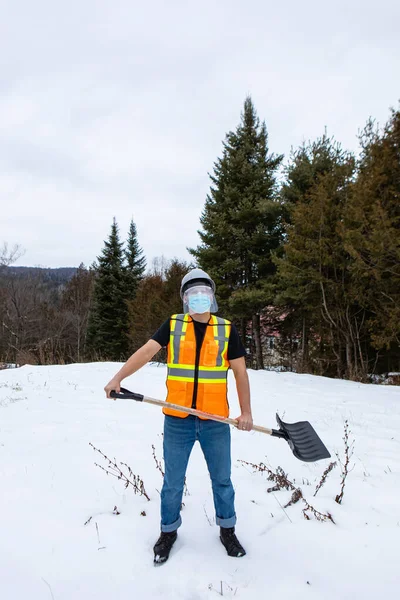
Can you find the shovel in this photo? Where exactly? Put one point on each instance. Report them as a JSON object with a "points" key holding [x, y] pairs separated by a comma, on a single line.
{"points": [[301, 437]]}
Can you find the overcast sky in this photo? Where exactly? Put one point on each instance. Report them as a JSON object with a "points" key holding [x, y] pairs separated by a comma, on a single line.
{"points": [[119, 108]]}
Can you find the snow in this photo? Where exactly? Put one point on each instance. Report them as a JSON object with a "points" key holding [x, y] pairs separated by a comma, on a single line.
{"points": [[50, 487]]}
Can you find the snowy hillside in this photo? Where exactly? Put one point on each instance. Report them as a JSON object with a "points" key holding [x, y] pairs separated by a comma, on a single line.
{"points": [[50, 488]]}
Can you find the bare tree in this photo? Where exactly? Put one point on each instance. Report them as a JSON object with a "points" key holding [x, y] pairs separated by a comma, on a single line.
{"points": [[75, 306], [8, 256]]}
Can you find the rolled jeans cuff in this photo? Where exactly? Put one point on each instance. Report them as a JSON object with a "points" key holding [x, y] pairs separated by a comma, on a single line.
{"points": [[226, 523], [172, 527]]}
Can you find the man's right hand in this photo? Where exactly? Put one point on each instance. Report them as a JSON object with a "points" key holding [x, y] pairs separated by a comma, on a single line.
{"points": [[133, 364], [115, 385]]}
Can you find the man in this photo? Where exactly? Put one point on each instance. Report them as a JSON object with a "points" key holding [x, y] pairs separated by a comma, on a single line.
{"points": [[201, 348]]}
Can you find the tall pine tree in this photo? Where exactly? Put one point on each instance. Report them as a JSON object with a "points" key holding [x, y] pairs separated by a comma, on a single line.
{"points": [[107, 329], [241, 224], [372, 236], [156, 300], [315, 272], [297, 303], [135, 262]]}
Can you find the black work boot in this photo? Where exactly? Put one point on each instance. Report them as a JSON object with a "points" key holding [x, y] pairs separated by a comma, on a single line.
{"points": [[230, 541], [163, 546]]}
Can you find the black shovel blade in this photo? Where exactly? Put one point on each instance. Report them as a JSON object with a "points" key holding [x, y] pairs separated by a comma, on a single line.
{"points": [[303, 440]]}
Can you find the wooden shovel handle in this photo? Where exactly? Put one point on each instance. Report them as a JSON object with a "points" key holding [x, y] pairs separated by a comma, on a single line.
{"points": [[125, 394]]}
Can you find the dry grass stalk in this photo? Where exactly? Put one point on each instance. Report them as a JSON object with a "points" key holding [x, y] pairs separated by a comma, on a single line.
{"points": [[325, 474], [158, 462], [296, 496], [318, 515], [348, 453], [283, 483], [113, 469], [279, 477]]}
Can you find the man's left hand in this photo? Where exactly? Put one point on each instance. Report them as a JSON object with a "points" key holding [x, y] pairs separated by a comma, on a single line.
{"points": [[245, 422]]}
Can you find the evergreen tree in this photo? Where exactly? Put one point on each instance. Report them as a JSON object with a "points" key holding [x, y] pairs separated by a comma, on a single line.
{"points": [[157, 298], [147, 312], [297, 303], [372, 235], [241, 224], [315, 272], [174, 274], [135, 263], [107, 329]]}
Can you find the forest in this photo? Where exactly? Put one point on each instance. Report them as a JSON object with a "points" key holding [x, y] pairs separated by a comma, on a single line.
{"points": [[304, 250]]}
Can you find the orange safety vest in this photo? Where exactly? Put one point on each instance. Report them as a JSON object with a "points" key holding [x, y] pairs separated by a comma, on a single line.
{"points": [[211, 372]]}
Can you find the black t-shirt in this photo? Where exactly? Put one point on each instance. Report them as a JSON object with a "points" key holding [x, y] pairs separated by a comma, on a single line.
{"points": [[235, 346]]}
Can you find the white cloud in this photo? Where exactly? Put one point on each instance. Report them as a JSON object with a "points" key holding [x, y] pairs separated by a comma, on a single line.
{"points": [[119, 109]]}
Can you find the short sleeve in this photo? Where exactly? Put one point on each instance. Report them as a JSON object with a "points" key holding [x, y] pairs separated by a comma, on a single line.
{"points": [[235, 346], [162, 334]]}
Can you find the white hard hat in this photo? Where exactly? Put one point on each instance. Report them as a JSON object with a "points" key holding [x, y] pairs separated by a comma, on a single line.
{"points": [[196, 277]]}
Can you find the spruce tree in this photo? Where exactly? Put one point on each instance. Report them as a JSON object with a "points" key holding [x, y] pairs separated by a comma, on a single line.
{"points": [[157, 298], [241, 224], [108, 320], [315, 271], [135, 263], [297, 303], [148, 311], [372, 236]]}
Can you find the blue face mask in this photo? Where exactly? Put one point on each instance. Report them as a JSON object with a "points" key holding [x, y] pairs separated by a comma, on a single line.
{"points": [[199, 303]]}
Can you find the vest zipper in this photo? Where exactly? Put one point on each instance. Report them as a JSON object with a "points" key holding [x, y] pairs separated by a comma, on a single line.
{"points": [[196, 367], [196, 373], [196, 383]]}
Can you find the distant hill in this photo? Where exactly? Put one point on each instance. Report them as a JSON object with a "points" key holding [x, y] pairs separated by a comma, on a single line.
{"points": [[57, 276]]}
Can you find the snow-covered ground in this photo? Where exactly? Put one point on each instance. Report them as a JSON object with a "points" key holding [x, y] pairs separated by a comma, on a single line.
{"points": [[49, 488]]}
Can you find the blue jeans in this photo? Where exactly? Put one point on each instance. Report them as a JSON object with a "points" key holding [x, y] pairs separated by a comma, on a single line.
{"points": [[215, 441]]}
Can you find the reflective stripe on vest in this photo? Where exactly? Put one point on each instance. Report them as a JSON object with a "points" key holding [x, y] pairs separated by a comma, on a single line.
{"points": [[217, 374], [205, 374], [178, 329]]}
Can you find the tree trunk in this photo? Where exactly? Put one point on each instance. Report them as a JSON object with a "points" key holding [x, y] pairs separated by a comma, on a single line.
{"points": [[290, 353], [304, 349], [257, 341], [349, 359], [339, 367], [79, 333]]}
